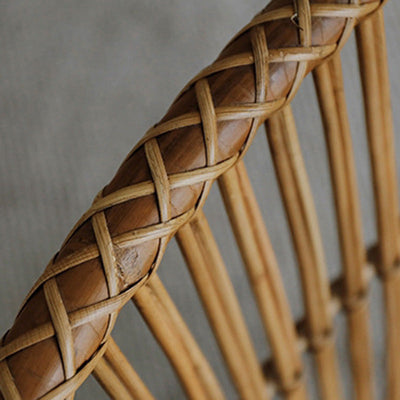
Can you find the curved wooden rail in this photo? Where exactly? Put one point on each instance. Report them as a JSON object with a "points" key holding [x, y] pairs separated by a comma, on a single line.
{"points": [[62, 328]]}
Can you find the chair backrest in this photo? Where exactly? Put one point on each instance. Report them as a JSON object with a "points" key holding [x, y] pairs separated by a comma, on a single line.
{"points": [[62, 332]]}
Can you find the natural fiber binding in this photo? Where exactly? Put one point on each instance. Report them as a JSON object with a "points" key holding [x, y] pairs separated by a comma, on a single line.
{"points": [[98, 234], [297, 380]]}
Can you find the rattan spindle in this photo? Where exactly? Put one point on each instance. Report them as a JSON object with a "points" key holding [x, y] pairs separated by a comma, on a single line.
{"points": [[330, 89], [375, 82], [116, 375], [110, 381], [299, 206], [113, 251], [168, 327], [222, 307], [264, 277]]}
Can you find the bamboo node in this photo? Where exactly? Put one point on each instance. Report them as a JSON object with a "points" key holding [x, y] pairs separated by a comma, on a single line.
{"points": [[393, 272], [355, 301], [318, 341], [294, 383]]}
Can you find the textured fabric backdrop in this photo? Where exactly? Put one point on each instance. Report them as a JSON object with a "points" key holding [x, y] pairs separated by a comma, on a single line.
{"points": [[80, 82]]}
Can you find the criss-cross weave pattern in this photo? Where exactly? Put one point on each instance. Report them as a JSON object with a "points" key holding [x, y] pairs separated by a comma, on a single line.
{"points": [[163, 190]]}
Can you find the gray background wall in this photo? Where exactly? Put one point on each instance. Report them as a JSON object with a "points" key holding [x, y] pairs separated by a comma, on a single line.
{"points": [[80, 82]]}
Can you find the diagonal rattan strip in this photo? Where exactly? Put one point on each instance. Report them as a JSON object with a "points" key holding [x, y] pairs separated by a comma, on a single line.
{"points": [[260, 53], [350, 24], [146, 188], [317, 10], [70, 385], [62, 326], [257, 111], [162, 189], [7, 384], [106, 250], [160, 178], [225, 113], [302, 17], [210, 130], [123, 240], [274, 56], [61, 392], [77, 318], [208, 119]]}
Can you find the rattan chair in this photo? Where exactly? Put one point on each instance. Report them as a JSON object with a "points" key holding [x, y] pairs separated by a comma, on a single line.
{"points": [[63, 333]]}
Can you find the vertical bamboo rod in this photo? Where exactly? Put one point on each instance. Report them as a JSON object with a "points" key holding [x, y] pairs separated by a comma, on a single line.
{"points": [[392, 302], [262, 269], [328, 80], [168, 327], [125, 373], [372, 54], [110, 381], [299, 206], [386, 112], [330, 90], [228, 300], [205, 372], [392, 292], [213, 284]]}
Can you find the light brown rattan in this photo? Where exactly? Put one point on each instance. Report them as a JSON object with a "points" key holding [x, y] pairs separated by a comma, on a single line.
{"points": [[165, 197]]}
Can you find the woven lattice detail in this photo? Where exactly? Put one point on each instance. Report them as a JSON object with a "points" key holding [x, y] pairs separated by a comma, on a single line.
{"points": [[208, 115]]}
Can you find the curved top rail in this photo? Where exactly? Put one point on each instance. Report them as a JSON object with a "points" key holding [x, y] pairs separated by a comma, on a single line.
{"points": [[120, 240]]}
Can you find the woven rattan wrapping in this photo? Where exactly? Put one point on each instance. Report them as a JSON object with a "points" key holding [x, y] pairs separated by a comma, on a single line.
{"points": [[167, 186]]}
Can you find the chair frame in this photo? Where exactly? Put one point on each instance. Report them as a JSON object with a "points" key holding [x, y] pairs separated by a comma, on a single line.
{"points": [[159, 192]]}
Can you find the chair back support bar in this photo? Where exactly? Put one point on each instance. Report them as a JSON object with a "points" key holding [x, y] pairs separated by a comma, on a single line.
{"points": [[63, 330]]}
